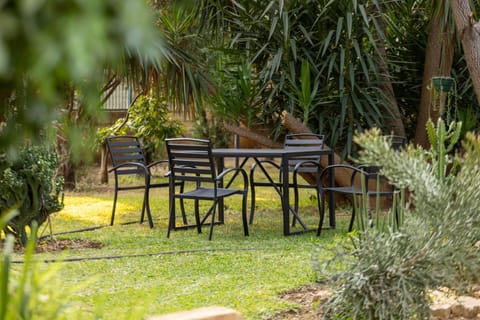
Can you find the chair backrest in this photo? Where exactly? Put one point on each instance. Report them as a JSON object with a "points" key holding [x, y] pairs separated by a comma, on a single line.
{"points": [[398, 142], [125, 149], [190, 160], [300, 140]]}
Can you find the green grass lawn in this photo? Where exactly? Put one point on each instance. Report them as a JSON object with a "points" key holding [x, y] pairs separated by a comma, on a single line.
{"points": [[139, 272]]}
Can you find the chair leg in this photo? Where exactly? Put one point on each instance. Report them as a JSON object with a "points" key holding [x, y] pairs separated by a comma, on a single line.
{"points": [[350, 228], [252, 200], [321, 204], [213, 219], [244, 214], [114, 206], [182, 206], [295, 204], [197, 217], [171, 215], [146, 204]]}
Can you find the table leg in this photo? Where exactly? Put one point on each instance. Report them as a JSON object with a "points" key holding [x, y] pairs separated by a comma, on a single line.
{"points": [[221, 211], [171, 206], [285, 196], [237, 165], [331, 196]]}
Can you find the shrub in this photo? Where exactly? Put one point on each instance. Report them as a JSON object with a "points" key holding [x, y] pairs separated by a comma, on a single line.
{"points": [[148, 119], [28, 184], [387, 275]]}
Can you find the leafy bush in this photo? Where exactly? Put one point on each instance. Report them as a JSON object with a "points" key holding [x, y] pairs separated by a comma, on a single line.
{"points": [[148, 119], [387, 275], [28, 184]]}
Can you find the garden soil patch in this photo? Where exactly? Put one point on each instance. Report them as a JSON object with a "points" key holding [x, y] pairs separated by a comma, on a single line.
{"points": [[49, 244], [55, 245], [309, 299]]}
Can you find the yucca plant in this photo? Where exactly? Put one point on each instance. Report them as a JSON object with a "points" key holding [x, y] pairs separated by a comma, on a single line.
{"points": [[315, 59]]}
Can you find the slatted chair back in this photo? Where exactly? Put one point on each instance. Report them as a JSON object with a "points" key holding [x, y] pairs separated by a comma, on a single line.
{"points": [[398, 142], [301, 140], [128, 158], [124, 149], [191, 160]]}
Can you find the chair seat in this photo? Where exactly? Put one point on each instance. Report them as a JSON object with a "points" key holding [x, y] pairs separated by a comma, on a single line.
{"points": [[207, 193], [358, 176], [344, 190], [358, 191]]}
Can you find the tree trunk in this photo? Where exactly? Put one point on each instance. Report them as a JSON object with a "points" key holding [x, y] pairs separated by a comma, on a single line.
{"points": [[438, 62], [252, 136], [395, 121], [469, 32], [67, 165], [103, 164]]}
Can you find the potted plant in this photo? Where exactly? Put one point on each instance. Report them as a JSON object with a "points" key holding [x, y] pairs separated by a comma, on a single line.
{"points": [[444, 84], [443, 90]]}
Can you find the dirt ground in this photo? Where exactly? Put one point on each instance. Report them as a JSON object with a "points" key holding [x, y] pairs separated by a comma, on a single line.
{"points": [[48, 244], [309, 298]]}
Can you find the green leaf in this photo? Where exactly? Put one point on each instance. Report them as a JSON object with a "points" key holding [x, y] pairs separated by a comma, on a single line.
{"points": [[326, 42], [341, 69], [349, 24], [338, 33], [363, 12], [273, 27]]}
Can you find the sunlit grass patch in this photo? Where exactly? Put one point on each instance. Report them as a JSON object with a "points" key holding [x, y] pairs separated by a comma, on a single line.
{"points": [[140, 272]]}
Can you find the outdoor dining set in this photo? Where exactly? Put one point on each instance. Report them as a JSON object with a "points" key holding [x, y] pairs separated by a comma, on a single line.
{"points": [[196, 171]]}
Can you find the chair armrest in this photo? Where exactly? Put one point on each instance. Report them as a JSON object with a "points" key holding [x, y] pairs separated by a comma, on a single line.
{"points": [[131, 164], [312, 163], [352, 169], [301, 163], [238, 170]]}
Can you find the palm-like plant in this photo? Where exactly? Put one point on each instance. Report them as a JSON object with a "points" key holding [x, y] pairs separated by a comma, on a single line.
{"points": [[315, 59]]}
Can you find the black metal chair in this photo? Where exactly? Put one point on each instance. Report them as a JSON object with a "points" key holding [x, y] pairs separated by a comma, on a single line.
{"points": [[359, 186], [128, 159], [191, 162], [363, 173], [307, 166]]}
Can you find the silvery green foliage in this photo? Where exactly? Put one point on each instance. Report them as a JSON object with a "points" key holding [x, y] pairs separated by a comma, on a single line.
{"points": [[438, 244]]}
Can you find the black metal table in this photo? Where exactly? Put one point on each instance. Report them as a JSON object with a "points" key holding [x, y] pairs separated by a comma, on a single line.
{"points": [[284, 155]]}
